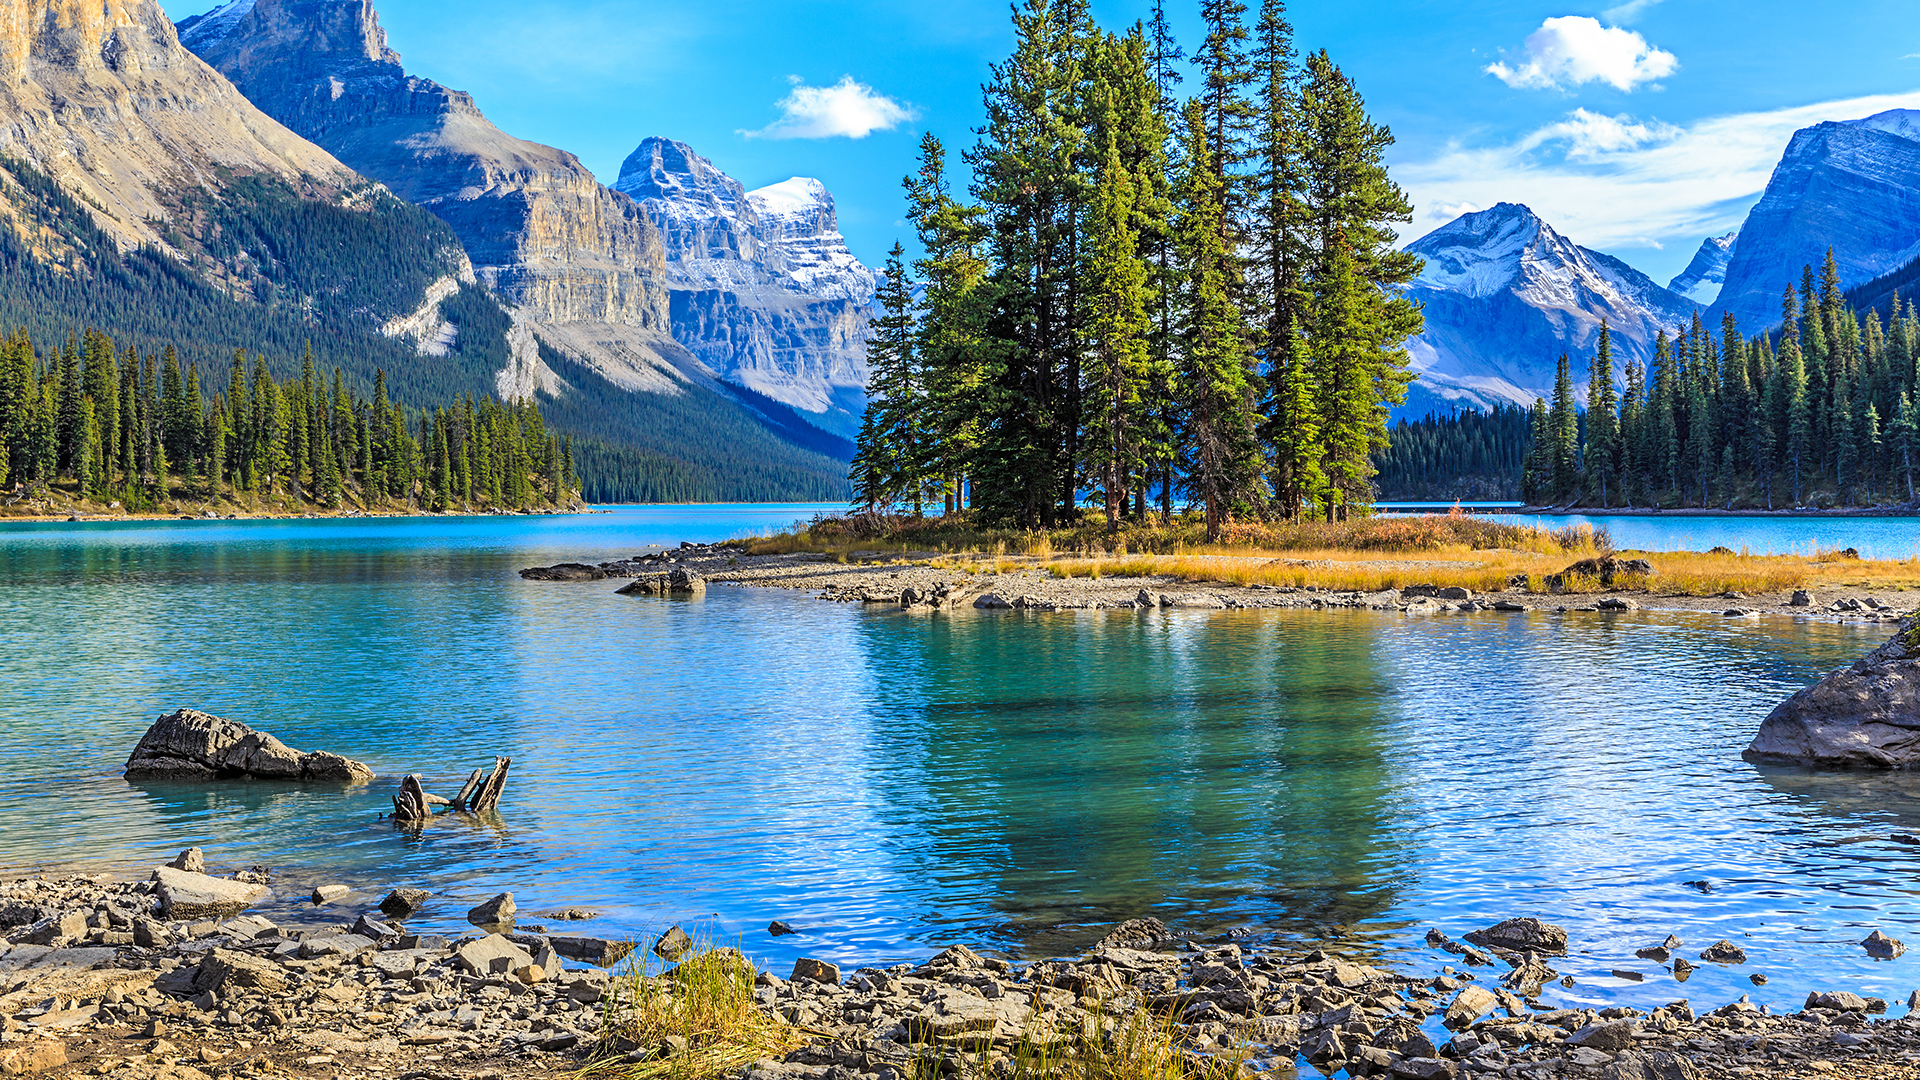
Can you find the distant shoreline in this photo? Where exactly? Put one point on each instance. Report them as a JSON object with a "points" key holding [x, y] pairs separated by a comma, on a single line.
{"points": [[1643, 511]]}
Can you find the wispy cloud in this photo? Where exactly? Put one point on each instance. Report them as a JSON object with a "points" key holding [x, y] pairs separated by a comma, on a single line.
{"points": [[1615, 180], [847, 108], [1627, 12], [1571, 50]]}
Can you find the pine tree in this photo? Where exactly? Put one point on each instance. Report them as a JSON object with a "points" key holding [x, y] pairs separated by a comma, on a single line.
{"points": [[1564, 434], [888, 452], [1118, 329], [1602, 451]]}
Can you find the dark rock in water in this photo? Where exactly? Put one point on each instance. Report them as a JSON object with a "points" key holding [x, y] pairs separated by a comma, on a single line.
{"points": [[1837, 1001], [676, 582], [1522, 935], [1724, 952], [1681, 968], [673, 945], [570, 914], [1757, 979], [1867, 714], [1702, 885], [192, 745], [368, 927], [498, 911], [599, 952], [401, 903], [566, 571], [780, 929], [1137, 934], [1881, 947]]}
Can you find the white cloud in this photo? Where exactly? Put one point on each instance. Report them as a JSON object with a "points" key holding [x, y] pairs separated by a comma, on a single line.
{"points": [[1617, 182], [824, 112], [1589, 136], [1571, 50]]}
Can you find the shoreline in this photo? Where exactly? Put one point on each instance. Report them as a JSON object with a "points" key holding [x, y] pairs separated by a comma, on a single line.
{"points": [[105, 980], [888, 579], [1647, 511]]}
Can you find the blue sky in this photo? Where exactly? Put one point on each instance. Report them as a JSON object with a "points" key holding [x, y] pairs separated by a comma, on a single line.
{"points": [[1637, 128]]}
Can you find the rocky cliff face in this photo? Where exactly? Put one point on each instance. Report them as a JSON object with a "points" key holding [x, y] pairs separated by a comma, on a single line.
{"points": [[1505, 295], [764, 290], [100, 96], [538, 228], [1852, 186], [1703, 277]]}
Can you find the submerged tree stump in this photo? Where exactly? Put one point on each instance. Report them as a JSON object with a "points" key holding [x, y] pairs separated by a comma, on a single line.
{"points": [[487, 796], [410, 806]]}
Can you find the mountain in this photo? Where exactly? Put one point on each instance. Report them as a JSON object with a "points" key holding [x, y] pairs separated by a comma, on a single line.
{"points": [[144, 196], [1701, 280], [1505, 295], [1853, 186], [763, 287]]}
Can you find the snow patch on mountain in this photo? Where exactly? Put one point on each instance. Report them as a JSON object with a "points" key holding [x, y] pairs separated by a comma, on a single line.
{"points": [[201, 31], [1902, 122]]}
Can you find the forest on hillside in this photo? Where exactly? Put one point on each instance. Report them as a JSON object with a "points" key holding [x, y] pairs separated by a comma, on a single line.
{"points": [[1146, 297]]}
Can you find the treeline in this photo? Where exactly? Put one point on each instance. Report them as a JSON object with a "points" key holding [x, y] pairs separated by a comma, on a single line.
{"points": [[1821, 411], [1465, 454], [1140, 295], [142, 428]]}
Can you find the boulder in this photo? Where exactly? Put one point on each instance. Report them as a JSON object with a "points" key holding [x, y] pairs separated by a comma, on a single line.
{"points": [[676, 582], [31, 1056], [1724, 952], [566, 571], [192, 745], [225, 969], [191, 860], [1881, 947], [497, 911], [600, 952], [807, 969], [327, 894], [673, 945], [1607, 1035], [491, 955], [1522, 935], [186, 895], [1469, 1005], [1837, 1001], [1865, 715], [403, 902], [1608, 570]]}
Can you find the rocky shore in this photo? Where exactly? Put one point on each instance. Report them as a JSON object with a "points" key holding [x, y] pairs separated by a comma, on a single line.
{"points": [[166, 979], [905, 580]]}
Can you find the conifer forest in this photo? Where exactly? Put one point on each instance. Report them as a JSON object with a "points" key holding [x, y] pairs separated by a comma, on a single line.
{"points": [[1164, 296]]}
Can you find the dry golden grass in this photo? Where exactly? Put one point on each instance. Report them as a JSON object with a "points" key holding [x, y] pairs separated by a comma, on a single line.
{"points": [[703, 1008]]}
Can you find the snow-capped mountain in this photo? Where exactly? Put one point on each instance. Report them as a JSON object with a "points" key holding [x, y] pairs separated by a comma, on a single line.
{"points": [[1505, 295], [1853, 186], [1701, 280], [763, 287]]}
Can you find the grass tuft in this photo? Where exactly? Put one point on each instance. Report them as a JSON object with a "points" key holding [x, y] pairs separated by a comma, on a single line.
{"points": [[697, 1020]]}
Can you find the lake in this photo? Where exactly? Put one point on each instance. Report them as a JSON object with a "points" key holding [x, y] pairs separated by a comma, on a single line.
{"points": [[890, 783]]}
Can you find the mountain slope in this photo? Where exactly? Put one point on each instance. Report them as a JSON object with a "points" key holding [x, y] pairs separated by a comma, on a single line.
{"points": [[1853, 186], [1505, 295], [1703, 277], [764, 290]]}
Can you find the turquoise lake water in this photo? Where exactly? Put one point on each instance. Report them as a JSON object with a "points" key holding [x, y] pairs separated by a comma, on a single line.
{"points": [[891, 783]]}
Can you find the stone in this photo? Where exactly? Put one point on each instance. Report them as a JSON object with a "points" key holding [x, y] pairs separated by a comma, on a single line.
{"points": [[673, 945], [1617, 603], [1864, 715], [367, 927], [1881, 947], [1724, 952], [1137, 934], [566, 571], [992, 601], [1423, 1068], [1837, 1001], [327, 894], [1659, 1065], [223, 970], [530, 974], [1522, 935], [1610, 1036], [569, 914], [247, 927], [1454, 592], [1607, 571], [600, 952], [190, 860], [193, 745], [57, 930], [780, 929], [31, 1056], [807, 969], [1801, 598], [1508, 605], [498, 911], [185, 895], [491, 955], [403, 902], [1469, 1005]]}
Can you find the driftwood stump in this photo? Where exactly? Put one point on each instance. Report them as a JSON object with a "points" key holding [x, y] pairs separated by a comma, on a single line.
{"points": [[410, 806], [486, 796]]}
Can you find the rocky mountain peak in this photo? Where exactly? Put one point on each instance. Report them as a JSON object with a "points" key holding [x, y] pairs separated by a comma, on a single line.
{"points": [[302, 32], [1902, 122], [702, 213], [1702, 278]]}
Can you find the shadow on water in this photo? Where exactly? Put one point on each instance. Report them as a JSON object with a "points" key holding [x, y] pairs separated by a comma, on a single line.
{"points": [[1066, 773]]}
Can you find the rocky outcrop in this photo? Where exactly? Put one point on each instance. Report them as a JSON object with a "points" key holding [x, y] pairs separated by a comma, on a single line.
{"points": [[1852, 186], [1505, 295], [1701, 280], [100, 96], [192, 745], [566, 571], [1865, 715], [537, 226], [187, 895], [764, 289]]}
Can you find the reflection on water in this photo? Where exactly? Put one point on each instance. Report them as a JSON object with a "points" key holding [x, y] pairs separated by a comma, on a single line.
{"points": [[892, 782]]}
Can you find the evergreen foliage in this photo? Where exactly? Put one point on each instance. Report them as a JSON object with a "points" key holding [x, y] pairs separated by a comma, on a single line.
{"points": [[1146, 294]]}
